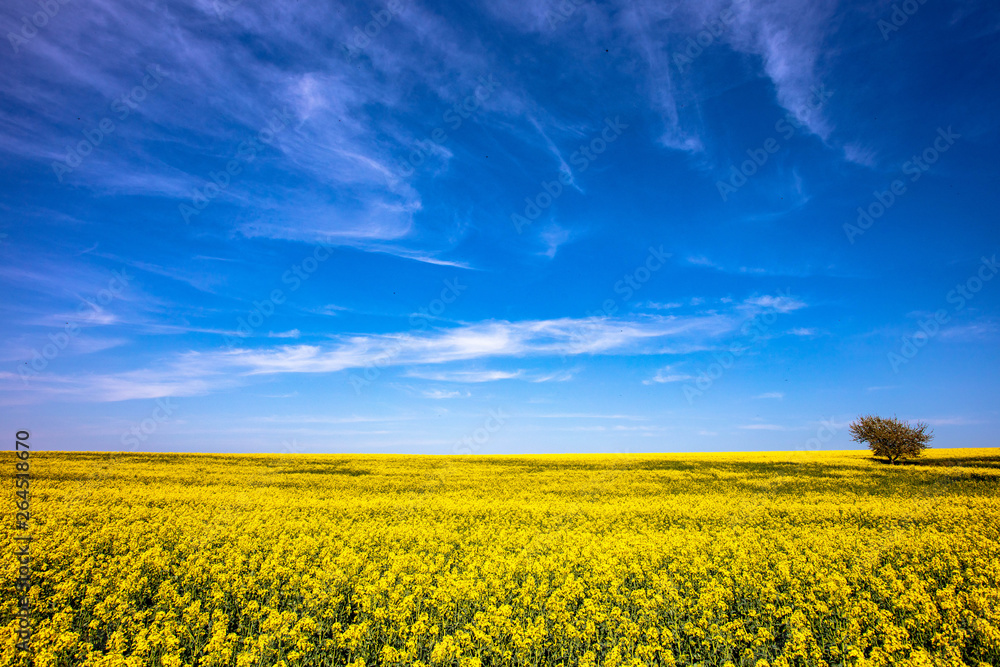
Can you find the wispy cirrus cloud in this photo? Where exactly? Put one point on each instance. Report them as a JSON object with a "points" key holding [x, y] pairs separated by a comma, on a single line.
{"points": [[780, 303], [587, 415], [441, 394], [562, 375], [701, 260], [464, 376], [984, 328], [292, 333], [786, 36], [565, 336], [553, 237], [126, 386], [668, 374], [765, 427], [355, 195], [199, 372], [656, 305]]}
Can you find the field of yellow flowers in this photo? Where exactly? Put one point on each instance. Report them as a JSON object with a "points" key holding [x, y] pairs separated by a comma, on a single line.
{"points": [[769, 559]]}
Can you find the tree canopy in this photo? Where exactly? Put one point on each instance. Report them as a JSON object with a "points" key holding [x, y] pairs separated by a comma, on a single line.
{"points": [[891, 438]]}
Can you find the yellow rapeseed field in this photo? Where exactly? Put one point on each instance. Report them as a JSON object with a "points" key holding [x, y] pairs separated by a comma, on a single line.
{"points": [[772, 559]]}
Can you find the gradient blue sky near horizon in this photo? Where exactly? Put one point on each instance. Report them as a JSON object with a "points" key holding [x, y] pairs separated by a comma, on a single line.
{"points": [[504, 227]]}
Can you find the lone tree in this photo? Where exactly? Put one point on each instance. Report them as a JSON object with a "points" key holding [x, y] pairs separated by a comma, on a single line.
{"points": [[891, 438]]}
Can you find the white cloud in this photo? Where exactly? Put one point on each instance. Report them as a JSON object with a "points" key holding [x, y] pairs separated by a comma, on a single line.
{"points": [[859, 154], [640, 21], [195, 373], [464, 376], [558, 376], [789, 36], [701, 260], [553, 237], [782, 304], [294, 333], [771, 394], [974, 331], [585, 415], [131, 385], [667, 374], [439, 394], [565, 336], [786, 35]]}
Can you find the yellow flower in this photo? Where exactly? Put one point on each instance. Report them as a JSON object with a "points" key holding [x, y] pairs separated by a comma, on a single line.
{"points": [[749, 559]]}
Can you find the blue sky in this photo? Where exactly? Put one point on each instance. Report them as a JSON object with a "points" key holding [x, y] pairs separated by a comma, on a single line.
{"points": [[494, 228]]}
